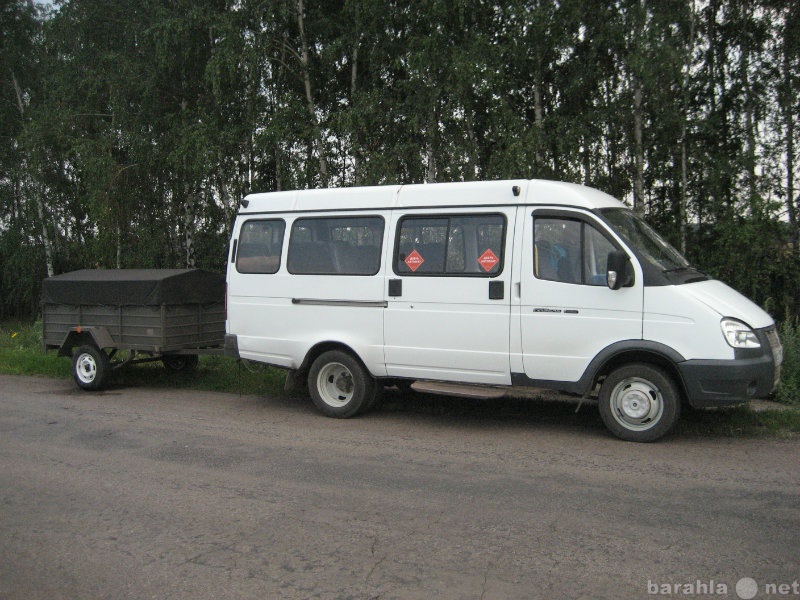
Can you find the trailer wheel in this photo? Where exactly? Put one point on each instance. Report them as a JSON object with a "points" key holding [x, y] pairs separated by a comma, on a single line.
{"points": [[339, 385], [639, 403], [90, 366], [180, 363]]}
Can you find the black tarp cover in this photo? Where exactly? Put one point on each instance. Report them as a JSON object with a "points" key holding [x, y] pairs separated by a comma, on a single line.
{"points": [[149, 287]]}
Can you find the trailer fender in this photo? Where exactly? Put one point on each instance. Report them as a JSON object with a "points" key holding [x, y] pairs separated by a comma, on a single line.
{"points": [[80, 336]]}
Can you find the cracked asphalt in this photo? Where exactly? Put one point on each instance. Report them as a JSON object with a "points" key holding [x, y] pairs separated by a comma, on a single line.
{"points": [[173, 494]]}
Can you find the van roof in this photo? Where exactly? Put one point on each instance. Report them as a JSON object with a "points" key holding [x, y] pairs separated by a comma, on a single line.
{"points": [[472, 193]]}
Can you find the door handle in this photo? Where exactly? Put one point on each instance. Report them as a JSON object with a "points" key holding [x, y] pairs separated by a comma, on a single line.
{"points": [[395, 288], [497, 290]]}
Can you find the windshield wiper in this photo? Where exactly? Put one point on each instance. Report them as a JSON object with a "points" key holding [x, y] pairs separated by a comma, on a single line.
{"points": [[700, 276]]}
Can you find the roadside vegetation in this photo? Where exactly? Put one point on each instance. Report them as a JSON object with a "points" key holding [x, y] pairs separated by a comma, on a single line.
{"points": [[21, 354], [789, 390]]}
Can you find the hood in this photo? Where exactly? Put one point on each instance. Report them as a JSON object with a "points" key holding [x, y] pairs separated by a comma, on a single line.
{"points": [[726, 301]]}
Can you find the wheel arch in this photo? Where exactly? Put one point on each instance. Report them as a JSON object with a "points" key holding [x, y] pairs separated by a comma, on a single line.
{"points": [[624, 353], [85, 336], [320, 347]]}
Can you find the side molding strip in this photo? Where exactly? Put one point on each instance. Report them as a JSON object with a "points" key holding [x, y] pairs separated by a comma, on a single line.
{"points": [[320, 302]]}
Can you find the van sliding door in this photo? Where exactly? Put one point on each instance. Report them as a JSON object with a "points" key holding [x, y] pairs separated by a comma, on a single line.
{"points": [[448, 295]]}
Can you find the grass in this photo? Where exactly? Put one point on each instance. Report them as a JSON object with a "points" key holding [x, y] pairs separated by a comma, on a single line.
{"points": [[741, 421], [789, 389], [21, 354]]}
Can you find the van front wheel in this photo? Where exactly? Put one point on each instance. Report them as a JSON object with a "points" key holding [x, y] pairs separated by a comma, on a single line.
{"points": [[339, 385], [639, 403]]}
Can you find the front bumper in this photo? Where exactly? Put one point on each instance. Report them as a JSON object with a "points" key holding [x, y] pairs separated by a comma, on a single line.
{"points": [[751, 375]]}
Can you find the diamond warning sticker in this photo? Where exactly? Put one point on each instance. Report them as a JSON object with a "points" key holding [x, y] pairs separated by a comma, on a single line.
{"points": [[414, 260], [488, 260]]}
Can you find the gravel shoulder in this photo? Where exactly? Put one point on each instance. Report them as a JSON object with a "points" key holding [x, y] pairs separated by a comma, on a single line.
{"points": [[168, 493]]}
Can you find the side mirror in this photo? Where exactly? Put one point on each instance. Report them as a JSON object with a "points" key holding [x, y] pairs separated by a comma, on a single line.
{"points": [[618, 269]]}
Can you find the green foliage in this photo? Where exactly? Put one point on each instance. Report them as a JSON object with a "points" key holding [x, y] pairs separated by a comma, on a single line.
{"points": [[132, 129], [789, 389], [21, 352], [20, 262], [740, 421]]}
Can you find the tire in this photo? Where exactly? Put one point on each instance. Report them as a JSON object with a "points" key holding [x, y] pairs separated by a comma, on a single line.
{"points": [[639, 402], [180, 363], [90, 367], [339, 385]]}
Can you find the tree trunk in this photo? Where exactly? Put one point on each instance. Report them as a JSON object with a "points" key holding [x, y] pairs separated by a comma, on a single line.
{"points": [[312, 110], [119, 246], [638, 150], [430, 176], [188, 224], [538, 122], [749, 134], [430, 135], [32, 189], [787, 108], [353, 89], [473, 153], [48, 248], [683, 200], [587, 161], [278, 168]]}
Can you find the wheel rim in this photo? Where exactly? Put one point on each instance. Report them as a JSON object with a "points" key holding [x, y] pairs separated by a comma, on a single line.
{"points": [[176, 363], [335, 384], [86, 368], [636, 404]]}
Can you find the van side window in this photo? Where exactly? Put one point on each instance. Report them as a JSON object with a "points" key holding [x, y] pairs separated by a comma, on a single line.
{"points": [[570, 251], [335, 246], [465, 245], [259, 246]]}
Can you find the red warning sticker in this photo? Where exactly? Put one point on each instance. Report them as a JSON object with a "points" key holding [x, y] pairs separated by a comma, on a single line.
{"points": [[488, 260], [414, 260]]}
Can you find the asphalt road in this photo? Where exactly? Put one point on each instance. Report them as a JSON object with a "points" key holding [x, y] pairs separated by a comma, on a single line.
{"points": [[176, 494]]}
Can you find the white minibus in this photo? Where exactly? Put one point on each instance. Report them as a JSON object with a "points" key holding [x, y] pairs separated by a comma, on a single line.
{"points": [[496, 285]]}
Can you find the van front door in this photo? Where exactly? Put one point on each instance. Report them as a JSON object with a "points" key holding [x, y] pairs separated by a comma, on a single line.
{"points": [[567, 313], [448, 296]]}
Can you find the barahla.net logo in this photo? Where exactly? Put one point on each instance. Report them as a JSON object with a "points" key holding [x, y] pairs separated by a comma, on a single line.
{"points": [[746, 588]]}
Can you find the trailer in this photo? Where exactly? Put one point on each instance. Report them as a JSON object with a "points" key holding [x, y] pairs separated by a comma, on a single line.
{"points": [[108, 319]]}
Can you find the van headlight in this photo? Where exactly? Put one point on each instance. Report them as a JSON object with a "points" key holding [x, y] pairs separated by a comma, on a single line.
{"points": [[739, 335]]}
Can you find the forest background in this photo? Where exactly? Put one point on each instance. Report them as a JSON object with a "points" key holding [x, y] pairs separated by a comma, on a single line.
{"points": [[132, 128]]}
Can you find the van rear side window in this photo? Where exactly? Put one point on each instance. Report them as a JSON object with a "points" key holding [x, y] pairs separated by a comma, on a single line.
{"points": [[260, 245], [458, 245], [336, 246]]}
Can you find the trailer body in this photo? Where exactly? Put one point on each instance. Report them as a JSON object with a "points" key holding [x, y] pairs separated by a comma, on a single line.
{"points": [[155, 313]]}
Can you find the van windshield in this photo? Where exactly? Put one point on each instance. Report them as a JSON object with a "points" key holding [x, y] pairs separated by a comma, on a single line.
{"points": [[644, 240]]}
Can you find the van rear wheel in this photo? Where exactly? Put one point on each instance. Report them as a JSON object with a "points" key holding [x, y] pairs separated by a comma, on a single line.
{"points": [[339, 385], [639, 402]]}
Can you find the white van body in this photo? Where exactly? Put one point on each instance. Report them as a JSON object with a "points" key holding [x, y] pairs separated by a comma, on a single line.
{"points": [[503, 283]]}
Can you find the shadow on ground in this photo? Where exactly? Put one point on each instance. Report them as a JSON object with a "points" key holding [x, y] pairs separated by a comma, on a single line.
{"points": [[569, 412]]}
